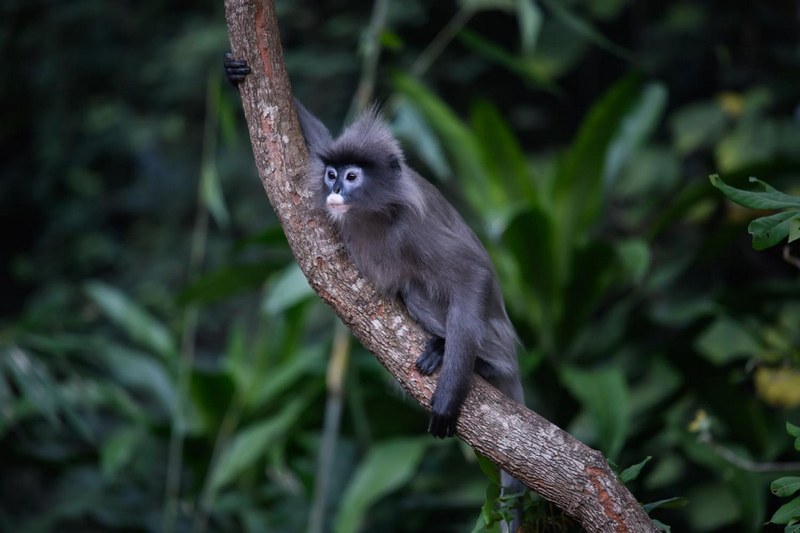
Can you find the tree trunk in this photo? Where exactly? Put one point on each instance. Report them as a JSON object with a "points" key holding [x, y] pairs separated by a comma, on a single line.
{"points": [[563, 470]]}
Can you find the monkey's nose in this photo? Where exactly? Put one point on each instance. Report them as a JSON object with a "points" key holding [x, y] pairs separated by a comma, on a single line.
{"points": [[338, 190]]}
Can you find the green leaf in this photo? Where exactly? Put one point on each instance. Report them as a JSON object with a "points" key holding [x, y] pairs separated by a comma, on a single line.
{"points": [[388, 466], [787, 512], [501, 153], [793, 430], [792, 528], [698, 126], [251, 443], [785, 486], [635, 256], [677, 502], [485, 197], [771, 199], [578, 190], [726, 340], [489, 468], [282, 377], [530, 19], [562, 12], [487, 511], [287, 289], [137, 323], [769, 231], [228, 281], [604, 394], [634, 130], [118, 449], [662, 526], [632, 472], [522, 67]]}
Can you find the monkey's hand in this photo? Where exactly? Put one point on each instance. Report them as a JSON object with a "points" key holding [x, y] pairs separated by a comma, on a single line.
{"points": [[444, 413], [236, 71], [432, 357]]}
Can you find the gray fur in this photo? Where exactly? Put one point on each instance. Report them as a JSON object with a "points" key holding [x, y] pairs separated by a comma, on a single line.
{"points": [[412, 244]]}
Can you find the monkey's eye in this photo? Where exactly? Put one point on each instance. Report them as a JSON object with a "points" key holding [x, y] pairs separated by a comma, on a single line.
{"points": [[331, 175], [351, 176]]}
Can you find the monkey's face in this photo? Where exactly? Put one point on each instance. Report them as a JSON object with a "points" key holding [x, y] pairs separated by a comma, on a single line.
{"points": [[342, 185]]}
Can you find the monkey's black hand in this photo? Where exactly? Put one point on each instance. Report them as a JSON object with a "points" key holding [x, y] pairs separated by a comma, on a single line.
{"points": [[432, 357], [444, 413], [236, 71]]}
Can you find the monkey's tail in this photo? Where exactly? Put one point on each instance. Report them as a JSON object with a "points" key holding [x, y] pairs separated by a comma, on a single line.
{"points": [[512, 485]]}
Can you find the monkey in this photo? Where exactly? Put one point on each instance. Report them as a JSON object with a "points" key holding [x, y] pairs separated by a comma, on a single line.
{"points": [[412, 244]]}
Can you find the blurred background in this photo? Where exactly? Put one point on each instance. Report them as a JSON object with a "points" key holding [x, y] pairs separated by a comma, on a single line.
{"points": [[164, 366]]}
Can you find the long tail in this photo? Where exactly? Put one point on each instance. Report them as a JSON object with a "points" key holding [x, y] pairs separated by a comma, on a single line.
{"points": [[511, 387]]}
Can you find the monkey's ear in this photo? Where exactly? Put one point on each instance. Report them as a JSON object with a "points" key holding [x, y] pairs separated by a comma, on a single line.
{"points": [[315, 133]]}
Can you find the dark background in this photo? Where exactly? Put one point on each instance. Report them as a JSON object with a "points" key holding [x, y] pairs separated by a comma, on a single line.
{"points": [[155, 333]]}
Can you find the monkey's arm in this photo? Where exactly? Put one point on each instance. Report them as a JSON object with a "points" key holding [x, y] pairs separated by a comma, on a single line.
{"points": [[465, 325]]}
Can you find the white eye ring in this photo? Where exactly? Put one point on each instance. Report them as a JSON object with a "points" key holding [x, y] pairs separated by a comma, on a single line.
{"points": [[330, 174]]}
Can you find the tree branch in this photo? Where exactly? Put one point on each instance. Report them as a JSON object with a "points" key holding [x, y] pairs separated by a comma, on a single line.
{"points": [[558, 467]]}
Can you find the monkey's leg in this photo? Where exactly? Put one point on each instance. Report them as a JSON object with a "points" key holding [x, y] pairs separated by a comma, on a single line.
{"points": [[431, 359], [236, 71]]}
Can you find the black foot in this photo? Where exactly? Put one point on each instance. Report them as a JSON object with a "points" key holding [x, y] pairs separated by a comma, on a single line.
{"points": [[432, 357], [236, 71], [444, 415]]}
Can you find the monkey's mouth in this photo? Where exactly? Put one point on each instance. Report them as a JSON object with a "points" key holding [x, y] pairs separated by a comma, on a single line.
{"points": [[338, 208]]}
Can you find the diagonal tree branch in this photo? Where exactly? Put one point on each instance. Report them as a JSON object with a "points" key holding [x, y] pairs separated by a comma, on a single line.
{"points": [[557, 466]]}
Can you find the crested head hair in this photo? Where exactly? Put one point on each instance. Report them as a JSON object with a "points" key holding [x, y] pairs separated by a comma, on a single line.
{"points": [[367, 143]]}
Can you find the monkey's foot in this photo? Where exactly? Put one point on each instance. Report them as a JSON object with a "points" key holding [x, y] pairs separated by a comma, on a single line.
{"points": [[432, 357], [442, 424], [444, 414], [236, 71]]}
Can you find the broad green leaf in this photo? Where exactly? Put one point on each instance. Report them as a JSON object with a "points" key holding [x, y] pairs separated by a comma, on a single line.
{"points": [[492, 494], [228, 281], [635, 256], [632, 472], [582, 27], [530, 238], [793, 430], [698, 126], [210, 187], [785, 486], [662, 526], [283, 376], [792, 528], [138, 324], [411, 126], [634, 130], [141, 371], [489, 468], [525, 68], [726, 340], [578, 184], [787, 512], [501, 153], [529, 17], [118, 449], [604, 394], [287, 289], [485, 197], [771, 199], [388, 466], [677, 502], [251, 443], [769, 231]]}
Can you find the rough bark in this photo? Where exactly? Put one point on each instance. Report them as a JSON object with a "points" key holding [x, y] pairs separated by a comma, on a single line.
{"points": [[563, 470]]}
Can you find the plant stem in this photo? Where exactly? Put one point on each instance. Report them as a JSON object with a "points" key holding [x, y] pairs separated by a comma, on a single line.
{"points": [[337, 365], [372, 52], [190, 318]]}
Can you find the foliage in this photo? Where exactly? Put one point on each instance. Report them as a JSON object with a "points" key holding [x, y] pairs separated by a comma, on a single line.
{"points": [[163, 363]]}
